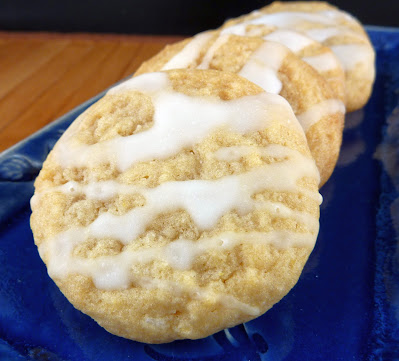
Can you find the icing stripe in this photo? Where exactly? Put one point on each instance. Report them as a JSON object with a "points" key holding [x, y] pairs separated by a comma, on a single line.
{"points": [[352, 55], [322, 62], [296, 42], [294, 18], [324, 34], [205, 201], [175, 117], [291, 39], [220, 40], [189, 53], [113, 272], [319, 110], [263, 65], [149, 83]]}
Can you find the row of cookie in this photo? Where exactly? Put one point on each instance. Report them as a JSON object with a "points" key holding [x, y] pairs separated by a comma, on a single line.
{"points": [[285, 61], [186, 201]]}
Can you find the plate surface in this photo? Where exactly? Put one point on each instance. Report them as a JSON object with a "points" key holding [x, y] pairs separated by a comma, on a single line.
{"points": [[344, 307]]}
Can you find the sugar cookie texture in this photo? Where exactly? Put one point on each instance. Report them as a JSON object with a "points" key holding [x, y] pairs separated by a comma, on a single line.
{"points": [[277, 70], [181, 203], [333, 28]]}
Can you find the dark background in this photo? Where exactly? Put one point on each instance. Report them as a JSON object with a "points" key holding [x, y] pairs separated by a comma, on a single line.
{"points": [[185, 17]]}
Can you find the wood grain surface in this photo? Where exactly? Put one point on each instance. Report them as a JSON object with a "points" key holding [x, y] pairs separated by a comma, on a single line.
{"points": [[43, 76]]}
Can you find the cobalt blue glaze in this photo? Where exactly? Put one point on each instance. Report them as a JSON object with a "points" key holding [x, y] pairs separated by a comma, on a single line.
{"points": [[344, 307]]}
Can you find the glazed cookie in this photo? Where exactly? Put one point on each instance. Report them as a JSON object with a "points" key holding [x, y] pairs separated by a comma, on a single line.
{"points": [[277, 70], [334, 28], [181, 203]]}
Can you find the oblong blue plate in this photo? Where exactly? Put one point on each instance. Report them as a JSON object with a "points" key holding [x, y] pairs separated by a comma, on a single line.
{"points": [[344, 307]]}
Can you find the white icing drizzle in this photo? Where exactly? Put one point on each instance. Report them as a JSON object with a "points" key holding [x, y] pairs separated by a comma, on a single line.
{"points": [[222, 39], [113, 272], [319, 110], [322, 62], [339, 15], [235, 153], [149, 83], [291, 39], [242, 29], [205, 201], [352, 55], [189, 53], [295, 20], [263, 65], [175, 116], [261, 68], [196, 197], [294, 41], [323, 34], [291, 19], [238, 29], [257, 177]]}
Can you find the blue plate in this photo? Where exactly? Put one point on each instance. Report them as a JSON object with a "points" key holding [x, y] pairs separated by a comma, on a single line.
{"points": [[344, 307]]}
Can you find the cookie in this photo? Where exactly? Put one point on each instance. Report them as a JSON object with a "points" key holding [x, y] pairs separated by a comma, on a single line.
{"points": [[181, 203], [277, 70], [334, 28]]}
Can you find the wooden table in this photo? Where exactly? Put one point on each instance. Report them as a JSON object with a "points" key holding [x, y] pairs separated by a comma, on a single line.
{"points": [[43, 76]]}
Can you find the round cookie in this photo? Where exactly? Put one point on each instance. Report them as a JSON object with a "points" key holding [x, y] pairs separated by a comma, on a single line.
{"points": [[181, 203], [334, 28], [277, 70]]}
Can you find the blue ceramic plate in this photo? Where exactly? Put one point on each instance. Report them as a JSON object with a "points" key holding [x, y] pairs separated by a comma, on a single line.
{"points": [[344, 307]]}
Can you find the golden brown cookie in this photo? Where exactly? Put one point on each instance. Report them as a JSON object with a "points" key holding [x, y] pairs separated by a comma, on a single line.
{"points": [[332, 27], [277, 70], [181, 203]]}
